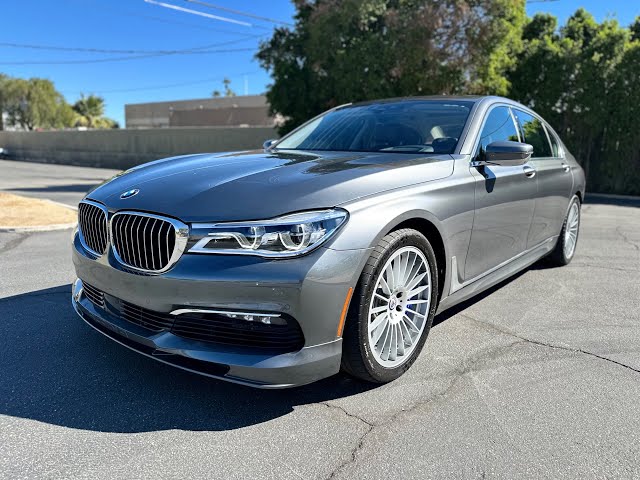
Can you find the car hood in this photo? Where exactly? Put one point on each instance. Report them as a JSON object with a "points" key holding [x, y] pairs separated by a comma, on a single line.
{"points": [[257, 185]]}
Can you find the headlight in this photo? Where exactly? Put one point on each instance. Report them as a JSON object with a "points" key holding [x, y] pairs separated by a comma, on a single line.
{"points": [[286, 236]]}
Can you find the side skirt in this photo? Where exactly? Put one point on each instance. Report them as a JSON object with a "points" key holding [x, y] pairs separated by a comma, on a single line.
{"points": [[463, 291]]}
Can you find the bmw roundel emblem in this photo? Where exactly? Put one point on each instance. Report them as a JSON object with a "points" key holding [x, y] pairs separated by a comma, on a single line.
{"points": [[129, 193]]}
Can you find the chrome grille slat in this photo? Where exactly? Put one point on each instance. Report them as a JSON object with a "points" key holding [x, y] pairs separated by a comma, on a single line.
{"points": [[167, 243], [105, 233], [147, 243], [153, 262], [89, 227], [92, 222], [127, 238], [92, 227], [138, 248], [127, 247]]}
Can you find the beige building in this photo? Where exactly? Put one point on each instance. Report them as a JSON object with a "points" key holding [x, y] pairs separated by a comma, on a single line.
{"points": [[238, 111]]}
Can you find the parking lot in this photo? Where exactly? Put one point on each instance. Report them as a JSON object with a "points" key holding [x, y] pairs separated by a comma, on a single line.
{"points": [[538, 377]]}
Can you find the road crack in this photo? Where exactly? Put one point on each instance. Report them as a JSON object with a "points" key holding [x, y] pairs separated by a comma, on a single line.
{"points": [[549, 345], [359, 444], [456, 374], [627, 240], [590, 265]]}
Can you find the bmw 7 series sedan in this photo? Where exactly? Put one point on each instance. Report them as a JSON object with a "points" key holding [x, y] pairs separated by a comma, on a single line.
{"points": [[330, 249]]}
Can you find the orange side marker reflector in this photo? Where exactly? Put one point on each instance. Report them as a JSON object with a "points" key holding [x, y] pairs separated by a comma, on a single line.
{"points": [[343, 316]]}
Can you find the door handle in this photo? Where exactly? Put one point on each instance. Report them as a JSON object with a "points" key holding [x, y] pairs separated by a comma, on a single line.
{"points": [[566, 168], [529, 171]]}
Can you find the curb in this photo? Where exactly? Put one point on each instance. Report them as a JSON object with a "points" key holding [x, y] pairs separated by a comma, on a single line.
{"points": [[38, 228], [70, 207], [612, 199]]}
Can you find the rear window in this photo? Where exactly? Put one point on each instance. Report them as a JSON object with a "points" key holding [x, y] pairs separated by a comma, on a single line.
{"points": [[555, 147], [412, 126]]}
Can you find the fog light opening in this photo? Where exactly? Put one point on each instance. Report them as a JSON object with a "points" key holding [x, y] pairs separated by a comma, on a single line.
{"points": [[267, 318]]}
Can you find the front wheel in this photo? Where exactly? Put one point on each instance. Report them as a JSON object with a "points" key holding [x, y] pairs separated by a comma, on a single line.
{"points": [[392, 309], [565, 249]]}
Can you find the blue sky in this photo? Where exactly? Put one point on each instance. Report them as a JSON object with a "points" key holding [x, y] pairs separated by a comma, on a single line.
{"points": [[141, 25]]}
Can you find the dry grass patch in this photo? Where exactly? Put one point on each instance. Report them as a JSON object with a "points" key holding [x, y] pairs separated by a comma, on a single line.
{"points": [[17, 211]]}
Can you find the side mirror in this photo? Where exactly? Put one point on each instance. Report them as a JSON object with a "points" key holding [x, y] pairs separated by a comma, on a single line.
{"points": [[505, 154], [268, 144]]}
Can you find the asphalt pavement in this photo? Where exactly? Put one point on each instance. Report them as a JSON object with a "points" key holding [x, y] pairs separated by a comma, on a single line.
{"points": [[536, 378], [60, 183]]}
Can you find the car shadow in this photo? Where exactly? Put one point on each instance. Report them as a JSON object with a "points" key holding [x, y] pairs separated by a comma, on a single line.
{"points": [[447, 314], [56, 369]]}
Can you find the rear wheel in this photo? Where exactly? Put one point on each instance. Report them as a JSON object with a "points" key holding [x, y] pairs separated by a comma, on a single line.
{"points": [[392, 309], [565, 248]]}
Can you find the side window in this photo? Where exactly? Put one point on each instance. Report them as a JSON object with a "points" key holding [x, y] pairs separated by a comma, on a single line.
{"points": [[534, 134], [555, 148], [499, 126]]}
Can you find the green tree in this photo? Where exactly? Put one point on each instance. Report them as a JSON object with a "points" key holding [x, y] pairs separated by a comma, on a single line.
{"points": [[227, 88], [33, 103], [349, 50], [583, 78], [89, 108], [228, 92]]}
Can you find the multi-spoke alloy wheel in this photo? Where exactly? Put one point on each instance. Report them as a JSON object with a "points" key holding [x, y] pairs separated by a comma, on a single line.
{"points": [[392, 308], [568, 238], [399, 306], [571, 230]]}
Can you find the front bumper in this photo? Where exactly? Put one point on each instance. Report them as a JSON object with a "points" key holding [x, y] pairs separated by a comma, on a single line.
{"points": [[311, 289]]}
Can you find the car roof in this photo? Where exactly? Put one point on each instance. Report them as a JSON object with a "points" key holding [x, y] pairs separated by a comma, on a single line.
{"points": [[467, 98], [475, 99]]}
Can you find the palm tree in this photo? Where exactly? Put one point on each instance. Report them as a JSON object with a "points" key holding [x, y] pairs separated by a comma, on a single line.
{"points": [[90, 108]]}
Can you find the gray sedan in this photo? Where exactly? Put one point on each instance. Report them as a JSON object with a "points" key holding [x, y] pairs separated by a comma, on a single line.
{"points": [[332, 248]]}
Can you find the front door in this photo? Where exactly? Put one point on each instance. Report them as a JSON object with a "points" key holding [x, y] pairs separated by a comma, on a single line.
{"points": [[504, 201]]}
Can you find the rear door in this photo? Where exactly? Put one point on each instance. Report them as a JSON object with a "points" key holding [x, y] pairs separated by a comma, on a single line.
{"points": [[504, 200], [554, 178]]}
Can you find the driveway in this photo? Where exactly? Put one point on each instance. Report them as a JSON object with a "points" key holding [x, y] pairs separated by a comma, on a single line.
{"points": [[537, 378]]}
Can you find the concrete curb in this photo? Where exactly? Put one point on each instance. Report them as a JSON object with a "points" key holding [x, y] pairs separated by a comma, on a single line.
{"points": [[612, 196], [612, 199], [70, 207], [38, 228]]}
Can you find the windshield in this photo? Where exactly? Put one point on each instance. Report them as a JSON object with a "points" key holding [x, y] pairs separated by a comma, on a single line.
{"points": [[411, 126]]}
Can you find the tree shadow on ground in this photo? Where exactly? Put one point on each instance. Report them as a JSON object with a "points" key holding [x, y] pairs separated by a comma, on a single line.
{"points": [[70, 188]]}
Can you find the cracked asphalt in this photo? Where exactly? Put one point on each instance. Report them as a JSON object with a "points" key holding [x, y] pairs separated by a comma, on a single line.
{"points": [[536, 378]]}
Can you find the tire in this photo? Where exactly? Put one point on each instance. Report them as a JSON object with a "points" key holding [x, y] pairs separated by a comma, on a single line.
{"points": [[364, 357], [565, 248]]}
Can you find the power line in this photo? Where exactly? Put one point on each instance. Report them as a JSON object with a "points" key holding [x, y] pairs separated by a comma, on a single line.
{"points": [[132, 57], [238, 12], [130, 13], [201, 14], [105, 50], [170, 85]]}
